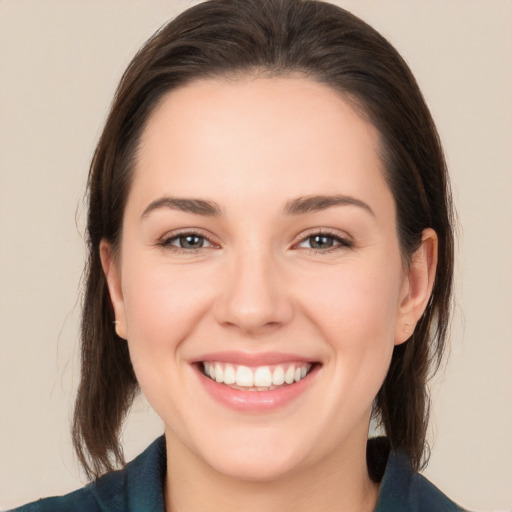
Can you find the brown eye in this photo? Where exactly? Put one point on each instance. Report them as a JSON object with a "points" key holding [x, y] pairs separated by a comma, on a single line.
{"points": [[190, 241], [321, 241]]}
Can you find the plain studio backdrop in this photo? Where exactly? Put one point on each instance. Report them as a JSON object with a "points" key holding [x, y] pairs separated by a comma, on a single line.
{"points": [[60, 62]]}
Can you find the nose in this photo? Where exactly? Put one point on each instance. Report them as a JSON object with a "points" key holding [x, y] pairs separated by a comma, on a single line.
{"points": [[255, 297]]}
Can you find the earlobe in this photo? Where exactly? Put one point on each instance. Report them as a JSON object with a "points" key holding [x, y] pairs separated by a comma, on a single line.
{"points": [[113, 278], [417, 286]]}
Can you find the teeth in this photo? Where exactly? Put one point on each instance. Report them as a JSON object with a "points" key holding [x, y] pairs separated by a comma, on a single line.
{"points": [[260, 378], [244, 377], [229, 374], [278, 376], [219, 373]]}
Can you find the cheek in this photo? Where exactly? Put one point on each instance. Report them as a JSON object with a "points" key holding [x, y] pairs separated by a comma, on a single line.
{"points": [[163, 307], [357, 305], [355, 312], [163, 304]]}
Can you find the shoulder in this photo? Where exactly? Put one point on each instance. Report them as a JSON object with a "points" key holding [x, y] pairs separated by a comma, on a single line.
{"points": [[79, 501], [136, 488], [404, 490], [425, 496]]}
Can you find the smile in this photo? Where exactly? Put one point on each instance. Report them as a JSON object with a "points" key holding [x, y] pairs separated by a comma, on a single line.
{"points": [[261, 378], [256, 383]]}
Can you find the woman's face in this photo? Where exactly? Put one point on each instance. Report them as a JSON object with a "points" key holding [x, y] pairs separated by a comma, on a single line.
{"points": [[259, 246]]}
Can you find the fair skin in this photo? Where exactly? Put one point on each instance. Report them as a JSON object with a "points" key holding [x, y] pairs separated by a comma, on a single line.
{"points": [[255, 278]]}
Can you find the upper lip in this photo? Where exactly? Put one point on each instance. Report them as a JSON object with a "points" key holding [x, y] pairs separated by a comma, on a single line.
{"points": [[252, 359]]}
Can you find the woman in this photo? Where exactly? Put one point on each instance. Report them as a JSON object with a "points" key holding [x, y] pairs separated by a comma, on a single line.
{"points": [[271, 259]]}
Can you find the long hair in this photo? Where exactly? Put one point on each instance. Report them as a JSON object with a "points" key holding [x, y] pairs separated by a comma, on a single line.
{"points": [[324, 43]]}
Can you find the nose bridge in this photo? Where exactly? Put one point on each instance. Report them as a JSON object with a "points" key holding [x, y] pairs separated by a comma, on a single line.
{"points": [[254, 297]]}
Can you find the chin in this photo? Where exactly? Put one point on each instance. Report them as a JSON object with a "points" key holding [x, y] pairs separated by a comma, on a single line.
{"points": [[255, 467], [255, 458]]}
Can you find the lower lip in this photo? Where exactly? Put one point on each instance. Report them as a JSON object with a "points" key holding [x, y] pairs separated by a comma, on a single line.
{"points": [[256, 401]]}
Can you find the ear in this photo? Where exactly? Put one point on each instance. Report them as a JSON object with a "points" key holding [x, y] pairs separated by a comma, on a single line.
{"points": [[113, 277], [417, 286]]}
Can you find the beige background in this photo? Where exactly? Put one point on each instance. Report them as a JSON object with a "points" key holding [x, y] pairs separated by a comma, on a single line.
{"points": [[59, 64]]}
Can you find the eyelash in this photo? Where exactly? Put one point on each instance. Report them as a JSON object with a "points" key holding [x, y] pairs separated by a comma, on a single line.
{"points": [[341, 243], [166, 242]]}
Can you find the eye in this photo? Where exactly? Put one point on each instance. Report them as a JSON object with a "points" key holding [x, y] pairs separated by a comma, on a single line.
{"points": [[186, 242], [324, 242]]}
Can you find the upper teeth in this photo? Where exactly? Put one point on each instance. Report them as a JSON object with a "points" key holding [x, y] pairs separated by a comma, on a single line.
{"points": [[259, 377]]}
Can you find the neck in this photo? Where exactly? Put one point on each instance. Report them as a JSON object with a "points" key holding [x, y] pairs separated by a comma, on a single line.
{"points": [[338, 484]]}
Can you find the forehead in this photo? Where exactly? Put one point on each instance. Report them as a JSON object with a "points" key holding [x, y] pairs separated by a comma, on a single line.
{"points": [[290, 136]]}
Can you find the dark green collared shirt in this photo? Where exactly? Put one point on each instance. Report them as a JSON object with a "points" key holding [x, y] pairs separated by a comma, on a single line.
{"points": [[139, 487]]}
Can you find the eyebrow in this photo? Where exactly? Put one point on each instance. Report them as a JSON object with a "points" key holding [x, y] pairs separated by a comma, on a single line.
{"points": [[298, 206], [316, 203], [195, 206]]}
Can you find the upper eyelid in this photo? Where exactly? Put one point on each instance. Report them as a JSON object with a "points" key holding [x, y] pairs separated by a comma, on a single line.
{"points": [[325, 232], [187, 231]]}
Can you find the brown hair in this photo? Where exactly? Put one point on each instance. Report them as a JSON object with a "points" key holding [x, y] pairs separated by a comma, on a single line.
{"points": [[222, 38]]}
